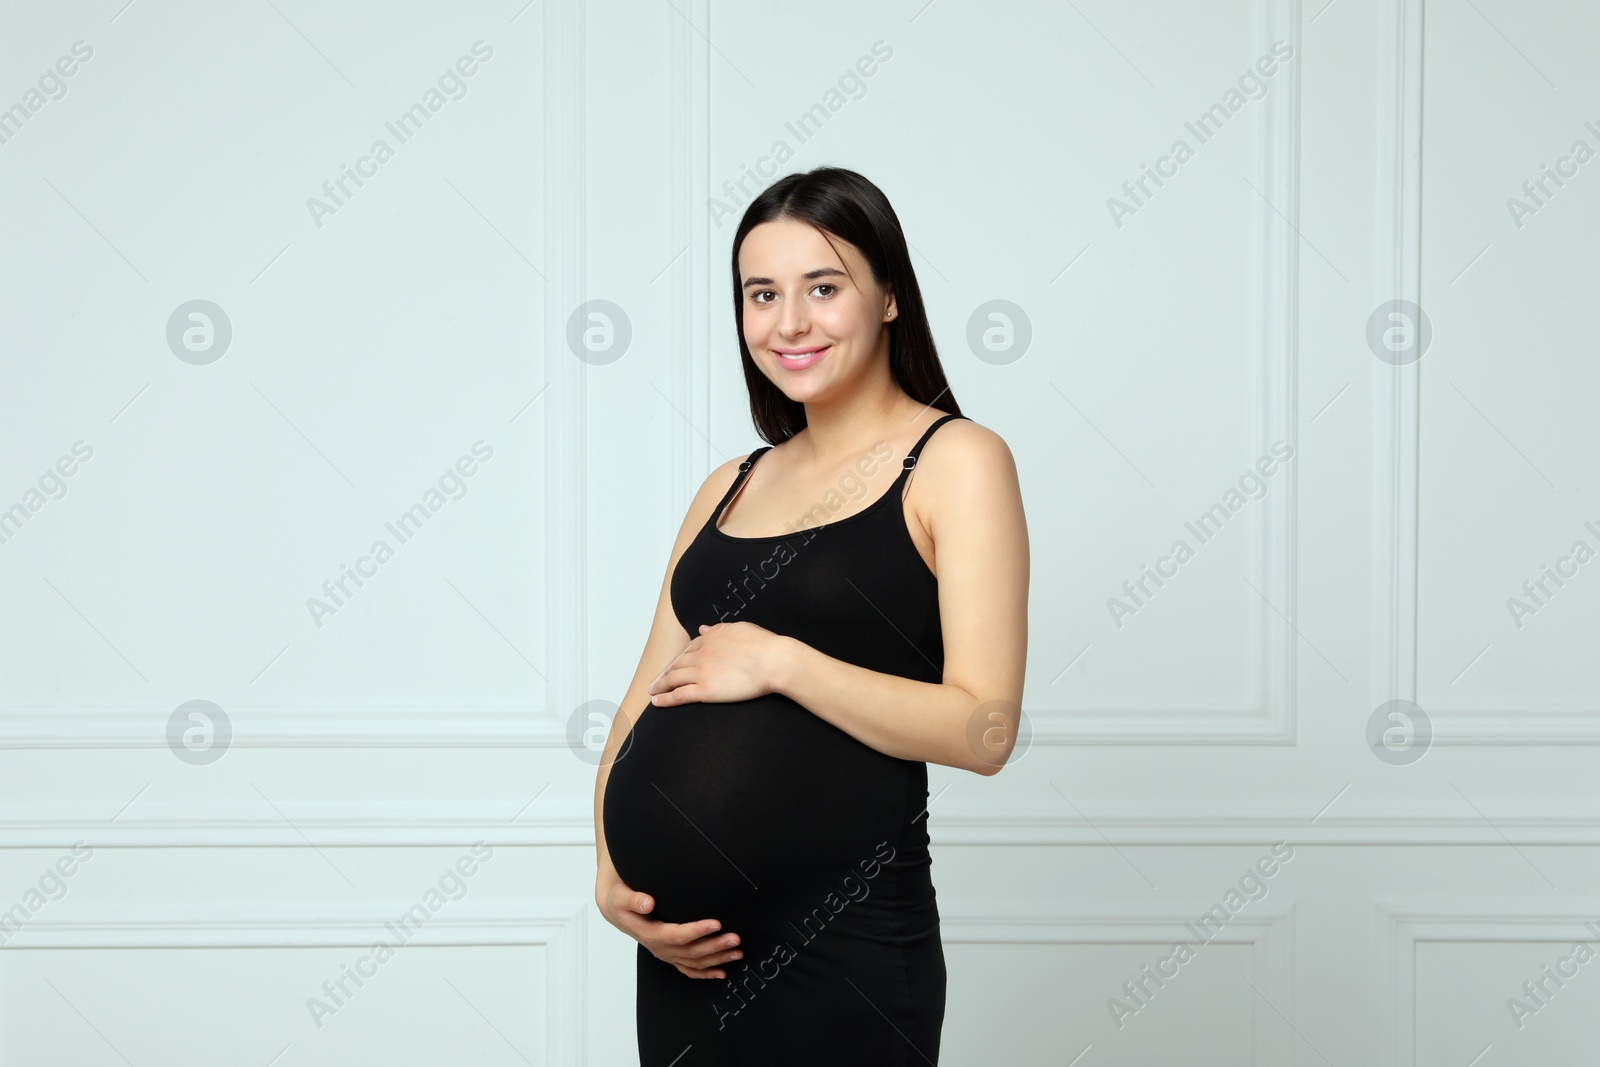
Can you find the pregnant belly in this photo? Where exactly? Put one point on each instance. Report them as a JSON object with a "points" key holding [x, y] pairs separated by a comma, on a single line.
{"points": [[714, 809]]}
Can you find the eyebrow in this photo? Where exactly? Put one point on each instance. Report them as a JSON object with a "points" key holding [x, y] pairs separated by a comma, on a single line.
{"points": [[810, 275]]}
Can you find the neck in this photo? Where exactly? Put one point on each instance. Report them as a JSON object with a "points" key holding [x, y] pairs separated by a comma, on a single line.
{"points": [[837, 431]]}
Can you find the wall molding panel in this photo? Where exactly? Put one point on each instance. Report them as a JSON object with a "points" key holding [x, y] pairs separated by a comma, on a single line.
{"points": [[1269, 934], [556, 926], [1398, 423], [1402, 925], [553, 821], [300, 726], [1270, 719]]}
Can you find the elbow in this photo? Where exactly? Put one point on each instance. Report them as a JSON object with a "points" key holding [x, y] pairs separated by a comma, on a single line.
{"points": [[989, 770], [992, 728], [991, 734], [988, 763]]}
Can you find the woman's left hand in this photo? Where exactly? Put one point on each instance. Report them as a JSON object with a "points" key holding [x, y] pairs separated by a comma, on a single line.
{"points": [[726, 662]]}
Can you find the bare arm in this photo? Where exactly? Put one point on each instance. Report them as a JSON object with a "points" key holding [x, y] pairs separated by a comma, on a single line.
{"points": [[972, 506]]}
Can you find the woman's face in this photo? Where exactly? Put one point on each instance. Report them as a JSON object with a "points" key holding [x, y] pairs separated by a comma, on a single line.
{"points": [[814, 322]]}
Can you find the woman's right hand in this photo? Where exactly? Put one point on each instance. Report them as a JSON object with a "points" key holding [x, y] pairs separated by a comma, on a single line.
{"points": [[694, 948]]}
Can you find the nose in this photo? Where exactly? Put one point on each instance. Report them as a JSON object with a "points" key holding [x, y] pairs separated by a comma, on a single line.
{"points": [[792, 320]]}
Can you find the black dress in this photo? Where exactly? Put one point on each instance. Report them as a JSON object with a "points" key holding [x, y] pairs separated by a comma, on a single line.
{"points": [[807, 843]]}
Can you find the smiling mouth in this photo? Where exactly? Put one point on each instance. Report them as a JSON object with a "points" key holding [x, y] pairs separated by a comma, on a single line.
{"points": [[800, 359]]}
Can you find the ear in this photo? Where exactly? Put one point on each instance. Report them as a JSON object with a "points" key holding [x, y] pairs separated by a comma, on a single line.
{"points": [[890, 310]]}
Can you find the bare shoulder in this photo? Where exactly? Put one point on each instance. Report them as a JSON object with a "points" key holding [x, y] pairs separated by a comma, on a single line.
{"points": [[969, 479], [963, 451], [718, 482]]}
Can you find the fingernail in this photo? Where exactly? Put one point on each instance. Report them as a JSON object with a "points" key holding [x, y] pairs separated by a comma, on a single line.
{"points": [[738, 955]]}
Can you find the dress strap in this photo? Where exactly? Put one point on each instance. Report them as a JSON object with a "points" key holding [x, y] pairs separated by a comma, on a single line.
{"points": [[916, 450], [738, 480]]}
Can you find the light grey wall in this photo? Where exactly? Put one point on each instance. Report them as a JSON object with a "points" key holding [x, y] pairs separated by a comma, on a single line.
{"points": [[408, 342]]}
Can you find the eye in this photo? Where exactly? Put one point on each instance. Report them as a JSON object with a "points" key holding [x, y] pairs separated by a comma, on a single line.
{"points": [[756, 296]]}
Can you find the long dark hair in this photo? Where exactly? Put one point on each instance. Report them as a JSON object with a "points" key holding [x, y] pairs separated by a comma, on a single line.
{"points": [[843, 204]]}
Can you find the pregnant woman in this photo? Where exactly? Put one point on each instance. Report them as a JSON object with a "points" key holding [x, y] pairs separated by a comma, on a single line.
{"points": [[828, 626]]}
